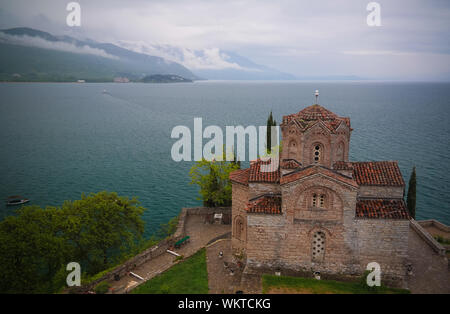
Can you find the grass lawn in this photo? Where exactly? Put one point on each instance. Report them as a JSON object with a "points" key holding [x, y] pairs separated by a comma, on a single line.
{"points": [[284, 284], [188, 277]]}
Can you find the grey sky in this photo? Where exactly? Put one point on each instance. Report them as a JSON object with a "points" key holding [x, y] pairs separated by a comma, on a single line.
{"points": [[305, 38]]}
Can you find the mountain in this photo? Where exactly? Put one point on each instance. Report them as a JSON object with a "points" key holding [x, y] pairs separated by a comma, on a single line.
{"points": [[31, 55], [210, 63], [164, 78]]}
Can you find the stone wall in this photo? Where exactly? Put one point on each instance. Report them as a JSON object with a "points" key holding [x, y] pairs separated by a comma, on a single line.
{"points": [[257, 189], [384, 241], [418, 227], [239, 218], [287, 241], [371, 191]]}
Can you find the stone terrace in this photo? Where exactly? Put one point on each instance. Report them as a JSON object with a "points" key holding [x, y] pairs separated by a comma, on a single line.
{"points": [[200, 234]]}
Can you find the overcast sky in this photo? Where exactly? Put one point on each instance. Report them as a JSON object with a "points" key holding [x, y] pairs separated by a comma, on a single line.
{"points": [[305, 38]]}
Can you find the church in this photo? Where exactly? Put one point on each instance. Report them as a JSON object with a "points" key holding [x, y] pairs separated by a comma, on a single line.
{"points": [[317, 211]]}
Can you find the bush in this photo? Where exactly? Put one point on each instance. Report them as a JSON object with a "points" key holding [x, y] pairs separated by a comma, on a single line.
{"points": [[102, 287]]}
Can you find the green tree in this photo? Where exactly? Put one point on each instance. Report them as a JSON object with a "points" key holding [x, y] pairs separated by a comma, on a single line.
{"points": [[102, 227], [36, 244], [31, 250], [270, 122], [411, 197], [213, 179]]}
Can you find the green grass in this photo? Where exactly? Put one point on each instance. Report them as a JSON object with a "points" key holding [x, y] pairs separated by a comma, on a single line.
{"points": [[314, 286], [187, 277]]}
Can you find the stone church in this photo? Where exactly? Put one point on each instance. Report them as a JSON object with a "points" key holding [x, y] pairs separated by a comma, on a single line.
{"points": [[318, 211]]}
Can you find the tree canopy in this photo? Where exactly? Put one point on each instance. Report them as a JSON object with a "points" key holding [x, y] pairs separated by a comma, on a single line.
{"points": [[36, 244], [270, 122], [212, 177]]}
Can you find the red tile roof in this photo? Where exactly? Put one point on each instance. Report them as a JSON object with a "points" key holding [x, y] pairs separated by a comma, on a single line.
{"points": [[313, 169], [256, 175], [265, 204], [240, 176], [381, 173], [381, 208], [309, 116]]}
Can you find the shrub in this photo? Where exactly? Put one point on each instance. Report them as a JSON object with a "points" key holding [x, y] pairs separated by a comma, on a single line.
{"points": [[102, 287]]}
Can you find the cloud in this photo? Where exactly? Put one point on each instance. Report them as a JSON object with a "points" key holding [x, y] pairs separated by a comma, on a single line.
{"points": [[60, 46], [376, 53], [201, 59], [324, 37]]}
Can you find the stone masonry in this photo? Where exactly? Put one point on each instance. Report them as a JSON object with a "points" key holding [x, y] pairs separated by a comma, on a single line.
{"points": [[319, 212]]}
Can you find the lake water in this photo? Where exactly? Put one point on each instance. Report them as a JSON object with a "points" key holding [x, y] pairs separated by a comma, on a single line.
{"points": [[60, 140]]}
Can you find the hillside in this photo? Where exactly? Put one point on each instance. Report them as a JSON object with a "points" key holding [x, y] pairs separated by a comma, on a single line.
{"points": [[31, 55]]}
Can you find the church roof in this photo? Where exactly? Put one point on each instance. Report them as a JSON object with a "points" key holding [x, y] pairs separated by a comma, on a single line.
{"points": [[256, 173], [381, 208], [314, 169], [309, 116], [380, 173], [265, 204], [269, 175], [240, 176]]}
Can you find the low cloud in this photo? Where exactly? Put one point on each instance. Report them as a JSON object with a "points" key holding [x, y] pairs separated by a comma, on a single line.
{"points": [[39, 42], [198, 59]]}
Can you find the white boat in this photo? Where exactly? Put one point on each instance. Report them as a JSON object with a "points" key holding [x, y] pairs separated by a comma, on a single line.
{"points": [[16, 200]]}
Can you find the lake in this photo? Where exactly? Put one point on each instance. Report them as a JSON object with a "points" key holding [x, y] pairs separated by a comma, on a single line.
{"points": [[60, 140]]}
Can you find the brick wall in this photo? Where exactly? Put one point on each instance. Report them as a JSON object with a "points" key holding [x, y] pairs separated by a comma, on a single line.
{"points": [[381, 191], [257, 189]]}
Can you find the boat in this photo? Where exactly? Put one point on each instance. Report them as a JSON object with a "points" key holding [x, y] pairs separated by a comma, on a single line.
{"points": [[16, 200]]}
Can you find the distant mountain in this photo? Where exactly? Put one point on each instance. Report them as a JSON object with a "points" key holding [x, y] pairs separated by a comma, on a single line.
{"points": [[210, 63], [164, 78], [31, 55]]}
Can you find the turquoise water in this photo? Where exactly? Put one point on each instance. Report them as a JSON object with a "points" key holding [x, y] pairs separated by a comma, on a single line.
{"points": [[60, 140]]}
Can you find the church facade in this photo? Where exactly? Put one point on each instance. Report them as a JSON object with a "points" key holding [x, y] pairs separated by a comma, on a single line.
{"points": [[317, 211]]}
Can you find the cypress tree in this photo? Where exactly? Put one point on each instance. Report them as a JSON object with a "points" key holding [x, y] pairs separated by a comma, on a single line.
{"points": [[270, 122], [411, 198]]}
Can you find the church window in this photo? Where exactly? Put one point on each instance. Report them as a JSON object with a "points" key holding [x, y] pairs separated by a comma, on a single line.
{"points": [[322, 200], [318, 246], [314, 200], [317, 153], [239, 228]]}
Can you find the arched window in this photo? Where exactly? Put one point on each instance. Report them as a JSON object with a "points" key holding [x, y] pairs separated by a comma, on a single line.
{"points": [[238, 227], [322, 201], [317, 153], [292, 150], [318, 200], [314, 200], [318, 246]]}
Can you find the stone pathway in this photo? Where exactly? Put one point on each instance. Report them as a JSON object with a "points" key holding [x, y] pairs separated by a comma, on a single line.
{"points": [[224, 276], [200, 234]]}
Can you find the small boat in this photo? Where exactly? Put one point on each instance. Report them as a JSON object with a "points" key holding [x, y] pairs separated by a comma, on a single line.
{"points": [[16, 200]]}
